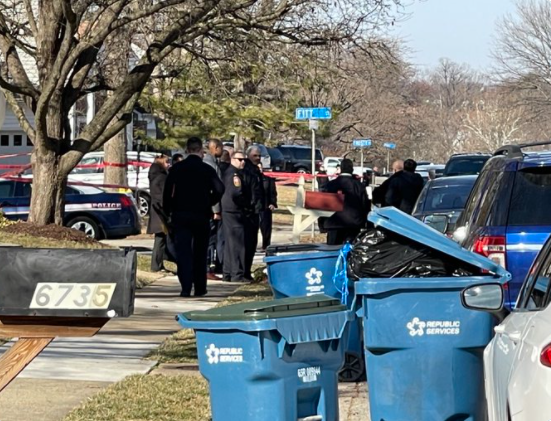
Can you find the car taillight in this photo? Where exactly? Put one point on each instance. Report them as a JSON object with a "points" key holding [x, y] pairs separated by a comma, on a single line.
{"points": [[491, 247], [126, 202], [545, 356]]}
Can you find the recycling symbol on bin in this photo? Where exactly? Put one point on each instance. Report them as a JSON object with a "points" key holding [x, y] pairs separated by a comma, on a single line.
{"points": [[314, 276], [416, 327], [212, 354]]}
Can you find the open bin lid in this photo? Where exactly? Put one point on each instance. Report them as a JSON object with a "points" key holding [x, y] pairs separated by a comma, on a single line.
{"points": [[275, 250], [275, 309], [405, 225]]}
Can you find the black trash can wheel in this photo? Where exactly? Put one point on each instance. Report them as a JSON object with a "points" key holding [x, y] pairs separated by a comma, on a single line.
{"points": [[353, 369]]}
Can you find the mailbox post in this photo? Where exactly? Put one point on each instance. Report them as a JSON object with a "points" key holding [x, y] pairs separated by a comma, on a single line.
{"points": [[49, 293]]}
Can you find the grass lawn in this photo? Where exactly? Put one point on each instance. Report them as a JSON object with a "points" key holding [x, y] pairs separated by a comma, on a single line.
{"points": [[143, 397], [161, 397], [38, 242], [181, 347]]}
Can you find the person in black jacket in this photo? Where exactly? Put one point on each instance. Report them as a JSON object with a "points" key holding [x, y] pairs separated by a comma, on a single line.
{"points": [[379, 193], [237, 212], [270, 203], [225, 161], [254, 179], [404, 188], [345, 225], [192, 188], [157, 177]]}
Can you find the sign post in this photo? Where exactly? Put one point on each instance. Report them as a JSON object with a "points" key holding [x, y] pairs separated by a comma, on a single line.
{"points": [[313, 115], [389, 147], [361, 143]]}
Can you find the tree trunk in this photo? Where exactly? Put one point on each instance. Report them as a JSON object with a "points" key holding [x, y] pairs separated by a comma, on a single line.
{"points": [[117, 48], [239, 142], [47, 200], [115, 153]]}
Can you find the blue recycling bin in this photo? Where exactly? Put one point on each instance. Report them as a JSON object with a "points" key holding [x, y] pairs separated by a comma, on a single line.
{"points": [[423, 349], [274, 360], [296, 270]]}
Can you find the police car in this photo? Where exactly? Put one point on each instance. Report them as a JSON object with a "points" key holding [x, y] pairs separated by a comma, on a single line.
{"points": [[88, 209]]}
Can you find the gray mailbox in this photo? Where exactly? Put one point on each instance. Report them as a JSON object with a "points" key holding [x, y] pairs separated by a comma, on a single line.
{"points": [[67, 282], [48, 293]]}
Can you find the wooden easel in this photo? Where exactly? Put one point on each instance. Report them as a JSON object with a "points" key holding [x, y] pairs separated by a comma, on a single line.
{"points": [[35, 334]]}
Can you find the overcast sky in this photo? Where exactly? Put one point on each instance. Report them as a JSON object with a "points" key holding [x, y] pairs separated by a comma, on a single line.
{"points": [[460, 30]]}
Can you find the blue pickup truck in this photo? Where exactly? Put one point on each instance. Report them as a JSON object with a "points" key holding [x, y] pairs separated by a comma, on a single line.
{"points": [[89, 209]]}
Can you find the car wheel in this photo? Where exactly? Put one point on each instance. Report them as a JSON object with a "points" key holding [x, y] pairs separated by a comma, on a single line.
{"points": [[144, 204], [87, 225]]}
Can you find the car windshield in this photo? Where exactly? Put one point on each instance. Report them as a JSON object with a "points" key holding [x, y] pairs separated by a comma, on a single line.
{"points": [[465, 166], [446, 197], [88, 165], [531, 199], [304, 153], [275, 153]]}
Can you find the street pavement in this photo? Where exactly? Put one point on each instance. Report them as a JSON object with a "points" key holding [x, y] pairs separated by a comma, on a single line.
{"points": [[71, 370]]}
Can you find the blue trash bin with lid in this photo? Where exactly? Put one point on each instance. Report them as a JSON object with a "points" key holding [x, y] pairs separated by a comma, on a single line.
{"points": [[423, 349], [296, 270], [273, 360]]}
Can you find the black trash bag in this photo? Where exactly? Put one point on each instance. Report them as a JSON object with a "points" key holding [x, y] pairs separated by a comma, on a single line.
{"points": [[379, 253]]}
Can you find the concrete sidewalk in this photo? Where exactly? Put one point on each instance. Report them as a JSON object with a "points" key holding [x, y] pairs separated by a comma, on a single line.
{"points": [[70, 370]]}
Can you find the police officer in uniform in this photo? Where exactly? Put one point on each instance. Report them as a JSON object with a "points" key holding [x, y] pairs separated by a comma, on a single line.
{"points": [[237, 211], [192, 188]]}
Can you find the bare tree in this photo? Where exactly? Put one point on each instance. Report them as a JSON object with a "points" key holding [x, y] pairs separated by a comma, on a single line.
{"points": [[60, 41], [493, 122], [523, 52]]}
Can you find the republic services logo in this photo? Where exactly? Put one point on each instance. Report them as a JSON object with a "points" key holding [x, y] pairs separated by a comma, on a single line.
{"points": [[314, 276], [416, 327], [213, 354]]}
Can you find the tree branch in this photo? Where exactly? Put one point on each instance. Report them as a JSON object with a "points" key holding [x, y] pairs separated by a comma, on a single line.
{"points": [[30, 16]]}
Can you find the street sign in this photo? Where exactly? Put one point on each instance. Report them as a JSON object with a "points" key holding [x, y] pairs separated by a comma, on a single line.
{"points": [[361, 143], [389, 145], [313, 113], [313, 124]]}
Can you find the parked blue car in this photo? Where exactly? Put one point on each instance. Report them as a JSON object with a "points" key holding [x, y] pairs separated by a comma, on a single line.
{"points": [[91, 210], [507, 216]]}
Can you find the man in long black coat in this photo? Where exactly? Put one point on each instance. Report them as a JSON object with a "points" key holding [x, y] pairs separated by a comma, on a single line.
{"points": [[404, 188], [270, 203], [345, 225], [157, 178], [192, 188]]}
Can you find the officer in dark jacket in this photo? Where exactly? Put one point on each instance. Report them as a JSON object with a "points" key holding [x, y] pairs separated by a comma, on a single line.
{"points": [[192, 188], [345, 225], [237, 212], [270, 203], [157, 177], [404, 188], [254, 180]]}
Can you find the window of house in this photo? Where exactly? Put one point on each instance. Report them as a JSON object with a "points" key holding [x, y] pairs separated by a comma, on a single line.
{"points": [[29, 141], [17, 140], [5, 140]]}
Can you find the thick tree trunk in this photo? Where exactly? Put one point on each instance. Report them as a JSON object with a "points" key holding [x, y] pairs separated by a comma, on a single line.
{"points": [[48, 189], [117, 47], [115, 159]]}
